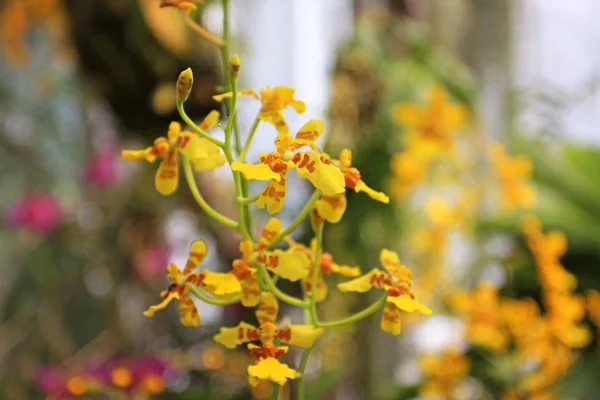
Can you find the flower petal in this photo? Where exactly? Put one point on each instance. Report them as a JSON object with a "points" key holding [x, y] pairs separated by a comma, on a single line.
{"points": [[325, 177], [210, 120], [270, 231], [173, 272], [160, 306], [233, 337], [222, 283], [300, 335], [202, 153], [134, 155], [290, 265], [308, 134], [332, 208], [245, 92], [361, 186], [270, 368], [250, 289], [167, 176], [390, 320], [260, 172], [268, 308], [274, 195], [346, 270], [407, 114], [374, 278], [406, 303], [321, 290], [198, 251], [188, 313]]}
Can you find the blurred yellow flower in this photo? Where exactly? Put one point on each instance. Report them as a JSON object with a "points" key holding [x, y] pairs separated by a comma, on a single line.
{"points": [[513, 174], [443, 372]]}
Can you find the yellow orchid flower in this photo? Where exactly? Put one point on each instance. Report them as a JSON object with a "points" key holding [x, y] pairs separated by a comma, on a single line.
{"points": [[332, 208], [513, 174], [397, 282], [274, 101], [178, 289], [274, 166], [267, 365], [326, 265], [431, 126], [203, 154], [287, 264], [443, 373]]}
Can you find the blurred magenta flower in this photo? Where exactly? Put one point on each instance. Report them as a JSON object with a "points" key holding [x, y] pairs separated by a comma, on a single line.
{"points": [[151, 262], [37, 211], [127, 378], [103, 169]]}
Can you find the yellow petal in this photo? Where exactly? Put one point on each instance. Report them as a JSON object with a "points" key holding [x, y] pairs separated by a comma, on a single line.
{"points": [[277, 119], [210, 120], [245, 92], [390, 320], [287, 94], [160, 306], [222, 283], [174, 130], [261, 172], [188, 314], [300, 335], [325, 177], [167, 176], [268, 308], [308, 134], [173, 272], [270, 231], [321, 290], [274, 195], [134, 155], [202, 153], [198, 251], [250, 290], [233, 337], [379, 196], [406, 303], [288, 265], [332, 208], [346, 270], [270, 368], [346, 158], [374, 278]]}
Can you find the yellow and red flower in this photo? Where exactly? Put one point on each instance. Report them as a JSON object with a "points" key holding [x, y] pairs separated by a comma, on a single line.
{"points": [[203, 154], [397, 281], [267, 365], [179, 287], [274, 101], [332, 208], [326, 265], [273, 167], [287, 264]]}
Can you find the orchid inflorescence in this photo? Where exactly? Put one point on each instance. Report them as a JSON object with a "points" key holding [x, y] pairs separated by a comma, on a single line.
{"points": [[253, 277]]}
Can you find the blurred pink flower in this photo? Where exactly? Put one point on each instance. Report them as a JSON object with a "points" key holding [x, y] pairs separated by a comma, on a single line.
{"points": [[103, 169], [36, 211], [151, 262]]}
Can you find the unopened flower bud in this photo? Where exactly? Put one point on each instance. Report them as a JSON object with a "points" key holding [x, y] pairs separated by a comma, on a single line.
{"points": [[234, 66], [184, 85]]}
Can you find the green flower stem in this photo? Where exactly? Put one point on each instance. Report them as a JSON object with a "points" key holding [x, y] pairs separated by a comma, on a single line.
{"points": [[196, 128], [275, 290], [301, 368], [276, 387], [243, 229], [215, 302], [355, 317], [242, 156], [299, 218], [191, 181], [248, 200], [315, 276]]}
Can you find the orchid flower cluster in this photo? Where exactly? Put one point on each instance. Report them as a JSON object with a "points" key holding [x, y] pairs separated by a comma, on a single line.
{"points": [[252, 278]]}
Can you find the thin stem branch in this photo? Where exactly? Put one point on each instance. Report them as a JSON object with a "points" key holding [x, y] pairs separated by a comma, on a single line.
{"points": [[315, 275], [275, 290], [300, 391], [248, 200], [355, 317], [195, 127], [242, 156], [191, 181], [299, 218], [209, 300]]}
